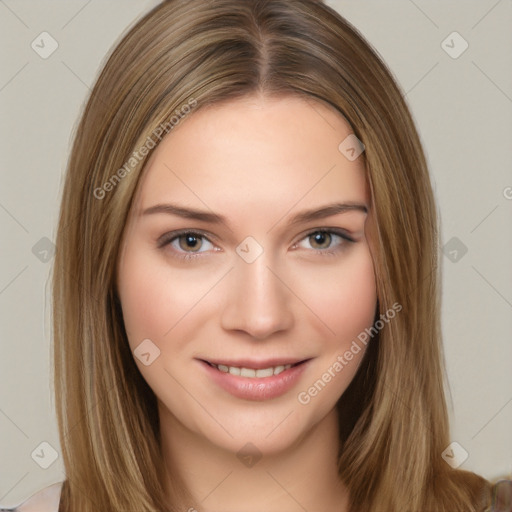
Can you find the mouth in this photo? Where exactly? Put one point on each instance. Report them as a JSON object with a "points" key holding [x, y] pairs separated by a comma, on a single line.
{"points": [[251, 372], [254, 370], [255, 380]]}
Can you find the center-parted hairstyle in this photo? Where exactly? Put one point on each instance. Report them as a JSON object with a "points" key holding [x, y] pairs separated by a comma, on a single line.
{"points": [[393, 416]]}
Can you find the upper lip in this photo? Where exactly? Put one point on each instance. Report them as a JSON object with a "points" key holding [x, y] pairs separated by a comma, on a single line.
{"points": [[256, 364]]}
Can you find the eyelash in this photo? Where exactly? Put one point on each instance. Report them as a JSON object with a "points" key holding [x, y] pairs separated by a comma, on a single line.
{"points": [[168, 238]]}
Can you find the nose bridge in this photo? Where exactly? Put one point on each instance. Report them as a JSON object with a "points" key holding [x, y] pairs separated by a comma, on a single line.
{"points": [[258, 281], [257, 301]]}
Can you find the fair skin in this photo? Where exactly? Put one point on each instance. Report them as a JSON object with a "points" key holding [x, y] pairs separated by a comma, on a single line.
{"points": [[258, 162]]}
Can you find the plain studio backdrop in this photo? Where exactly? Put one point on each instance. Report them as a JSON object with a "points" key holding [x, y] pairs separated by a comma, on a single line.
{"points": [[452, 61]]}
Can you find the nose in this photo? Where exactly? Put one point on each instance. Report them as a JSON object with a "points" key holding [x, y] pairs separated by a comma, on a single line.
{"points": [[257, 300]]}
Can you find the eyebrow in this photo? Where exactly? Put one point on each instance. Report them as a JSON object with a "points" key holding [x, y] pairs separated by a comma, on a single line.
{"points": [[214, 218]]}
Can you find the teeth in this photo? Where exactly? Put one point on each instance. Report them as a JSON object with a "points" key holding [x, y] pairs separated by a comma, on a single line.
{"points": [[252, 373], [279, 369], [247, 372], [264, 372]]}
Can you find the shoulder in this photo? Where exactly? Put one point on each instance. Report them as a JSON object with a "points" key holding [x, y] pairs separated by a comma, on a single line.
{"points": [[501, 498], [46, 500], [487, 495]]}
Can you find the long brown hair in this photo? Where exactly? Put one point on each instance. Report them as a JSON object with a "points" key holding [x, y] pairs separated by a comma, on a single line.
{"points": [[195, 53]]}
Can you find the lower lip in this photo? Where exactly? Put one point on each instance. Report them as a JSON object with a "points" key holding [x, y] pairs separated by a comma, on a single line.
{"points": [[255, 388]]}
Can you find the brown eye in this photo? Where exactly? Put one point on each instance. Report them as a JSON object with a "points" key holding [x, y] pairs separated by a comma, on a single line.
{"points": [[320, 240], [190, 242], [185, 244], [325, 241]]}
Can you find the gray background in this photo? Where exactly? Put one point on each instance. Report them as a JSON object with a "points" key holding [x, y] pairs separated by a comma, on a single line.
{"points": [[463, 109]]}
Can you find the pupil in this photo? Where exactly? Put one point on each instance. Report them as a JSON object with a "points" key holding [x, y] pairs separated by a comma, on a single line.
{"points": [[191, 242], [321, 238]]}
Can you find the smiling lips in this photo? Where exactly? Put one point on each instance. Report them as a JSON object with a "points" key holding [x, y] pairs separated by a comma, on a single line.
{"points": [[255, 380]]}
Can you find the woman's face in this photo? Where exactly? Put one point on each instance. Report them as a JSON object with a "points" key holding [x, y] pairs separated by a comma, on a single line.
{"points": [[238, 254]]}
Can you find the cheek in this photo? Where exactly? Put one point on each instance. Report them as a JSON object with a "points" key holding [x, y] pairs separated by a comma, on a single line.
{"points": [[152, 300], [344, 296], [354, 309], [345, 299]]}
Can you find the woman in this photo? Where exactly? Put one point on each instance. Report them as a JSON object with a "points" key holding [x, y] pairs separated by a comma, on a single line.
{"points": [[246, 306]]}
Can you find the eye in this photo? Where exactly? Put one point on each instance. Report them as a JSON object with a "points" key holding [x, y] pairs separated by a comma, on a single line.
{"points": [[186, 243], [191, 241], [325, 240]]}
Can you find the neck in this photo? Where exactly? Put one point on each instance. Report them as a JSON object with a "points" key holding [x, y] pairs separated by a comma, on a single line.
{"points": [[302, 476]]}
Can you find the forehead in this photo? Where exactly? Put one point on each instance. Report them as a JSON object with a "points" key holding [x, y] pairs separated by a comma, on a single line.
{"points": [[255, 153]]}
